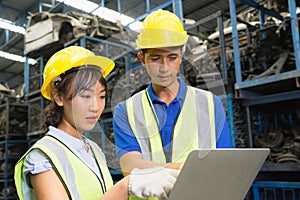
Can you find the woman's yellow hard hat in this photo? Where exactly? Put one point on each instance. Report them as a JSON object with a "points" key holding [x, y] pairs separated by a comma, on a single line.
{"points": [[70, 57]]}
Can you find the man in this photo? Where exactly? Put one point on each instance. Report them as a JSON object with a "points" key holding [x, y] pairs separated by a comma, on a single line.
{"points": [[160, 125]]}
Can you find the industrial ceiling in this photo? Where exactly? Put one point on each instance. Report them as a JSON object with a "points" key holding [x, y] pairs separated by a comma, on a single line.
{"points": [[12, 72]]}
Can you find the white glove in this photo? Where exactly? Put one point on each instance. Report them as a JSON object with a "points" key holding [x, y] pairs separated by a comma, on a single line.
{"points": [[152, 182]]}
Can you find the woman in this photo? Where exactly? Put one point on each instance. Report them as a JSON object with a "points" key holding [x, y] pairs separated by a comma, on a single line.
{"points": [[66, 165]]}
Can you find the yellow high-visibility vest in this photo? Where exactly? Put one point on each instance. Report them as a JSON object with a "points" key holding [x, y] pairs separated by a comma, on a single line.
{"points": [[194, 127], [79, 180]]}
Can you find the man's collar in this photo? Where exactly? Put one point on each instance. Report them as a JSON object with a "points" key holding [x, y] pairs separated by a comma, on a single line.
{"points": [[180, 95]]}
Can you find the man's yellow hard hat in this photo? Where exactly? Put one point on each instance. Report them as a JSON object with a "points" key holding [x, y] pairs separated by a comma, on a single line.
{"points": [[70, 57], [161, 28]]}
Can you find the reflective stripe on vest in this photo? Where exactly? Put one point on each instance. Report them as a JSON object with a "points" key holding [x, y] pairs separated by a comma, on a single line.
{"points": [[80, 182], [194, 128]]}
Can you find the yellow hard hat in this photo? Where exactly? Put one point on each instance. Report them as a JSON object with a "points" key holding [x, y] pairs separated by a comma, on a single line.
{"points": [[161, 29], [70, 57]]}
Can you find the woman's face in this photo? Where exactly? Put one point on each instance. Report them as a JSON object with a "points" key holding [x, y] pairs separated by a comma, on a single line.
{"points": [[84, 110]]}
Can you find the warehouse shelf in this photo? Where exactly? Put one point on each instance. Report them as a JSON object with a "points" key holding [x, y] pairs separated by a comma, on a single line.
{"points": [[281, 167], [35, 114], [274, 85], [234, 117], [102, 47], [12, 151], [33, 77], [9, 197], [219, 81], [279, 83], [272, 80], [279, 172], [13, 120], [16, 17], [12, 145], [270, 190], [240, 98], [270, 99], [10, 157], [194, 30]]}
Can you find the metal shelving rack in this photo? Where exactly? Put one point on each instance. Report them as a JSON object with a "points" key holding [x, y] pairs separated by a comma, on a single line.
{"points": [[36, 103], [226, 82], [12, 150], [13, 125], [263, 90], [33, 77], [247, 88], [274, 180], [241, 88], [13, 144]]}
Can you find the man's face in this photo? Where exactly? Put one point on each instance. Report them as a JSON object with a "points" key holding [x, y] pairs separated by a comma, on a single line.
{"points": [[162, 64]]}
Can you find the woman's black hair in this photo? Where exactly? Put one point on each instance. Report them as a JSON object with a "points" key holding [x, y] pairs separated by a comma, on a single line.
{"points": [[69, 85]]}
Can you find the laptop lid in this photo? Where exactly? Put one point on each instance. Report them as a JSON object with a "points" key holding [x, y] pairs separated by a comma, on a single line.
{"points": [[213, 174]]}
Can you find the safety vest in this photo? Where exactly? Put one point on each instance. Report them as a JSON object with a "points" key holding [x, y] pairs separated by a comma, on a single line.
{"points": [[194, 127], [78, 179]]}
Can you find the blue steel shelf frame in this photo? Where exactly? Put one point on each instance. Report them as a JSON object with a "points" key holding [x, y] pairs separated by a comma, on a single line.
{"points": [[230, 117], [240, 85], [6, 180], [28, 78], [269, 190], [219, 16], [8, 37], [18, 17]]}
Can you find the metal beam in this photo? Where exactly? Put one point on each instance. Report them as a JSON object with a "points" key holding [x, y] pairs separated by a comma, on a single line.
{"points": [[261, 8], [141, 17], [269, 79], [284, 96]]}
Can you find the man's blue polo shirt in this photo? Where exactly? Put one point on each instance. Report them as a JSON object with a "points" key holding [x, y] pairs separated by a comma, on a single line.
{"points": [[167, 115]]}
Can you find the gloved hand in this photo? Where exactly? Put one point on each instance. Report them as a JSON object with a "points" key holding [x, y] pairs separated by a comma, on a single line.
{"points": [[152, 182]]}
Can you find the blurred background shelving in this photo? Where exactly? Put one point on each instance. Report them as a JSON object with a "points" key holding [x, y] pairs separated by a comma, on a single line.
{"points": [[245, 51]]}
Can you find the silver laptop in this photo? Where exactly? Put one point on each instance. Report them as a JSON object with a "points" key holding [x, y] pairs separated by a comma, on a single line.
{"points": [[218, 174]]}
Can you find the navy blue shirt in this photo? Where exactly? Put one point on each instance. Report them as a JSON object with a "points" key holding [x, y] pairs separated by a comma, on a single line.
{"points": [[167, 115]]}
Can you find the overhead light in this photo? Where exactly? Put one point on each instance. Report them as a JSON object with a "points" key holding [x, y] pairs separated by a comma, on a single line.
{"points": [[188, 21], [84, 5], [9, 25], [102, 12], [17, 58]]}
